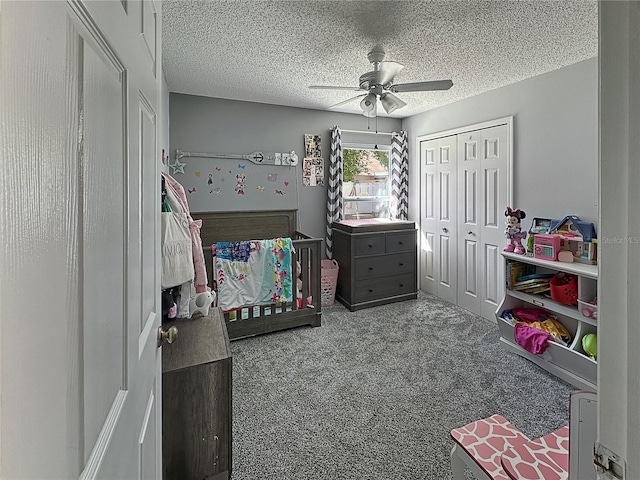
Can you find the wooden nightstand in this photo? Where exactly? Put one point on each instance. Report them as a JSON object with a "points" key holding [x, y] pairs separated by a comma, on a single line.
{"points": [[196, 400]]}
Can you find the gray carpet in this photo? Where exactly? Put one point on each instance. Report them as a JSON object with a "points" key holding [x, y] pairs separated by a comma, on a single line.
{"points": [[374, 394]]}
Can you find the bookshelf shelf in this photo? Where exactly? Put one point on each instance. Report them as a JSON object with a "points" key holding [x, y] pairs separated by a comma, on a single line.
{"points": [[569, 363]]}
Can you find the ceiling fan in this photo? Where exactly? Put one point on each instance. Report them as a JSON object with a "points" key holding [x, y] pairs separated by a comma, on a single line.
{"points": [[378, 83]]}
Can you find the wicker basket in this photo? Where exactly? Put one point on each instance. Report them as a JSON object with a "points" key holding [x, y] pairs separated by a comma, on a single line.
{"points": [[328, 281]]}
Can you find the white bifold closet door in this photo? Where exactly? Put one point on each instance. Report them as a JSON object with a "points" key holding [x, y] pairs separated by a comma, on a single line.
{"points": [[439, 222], [464, 196]]}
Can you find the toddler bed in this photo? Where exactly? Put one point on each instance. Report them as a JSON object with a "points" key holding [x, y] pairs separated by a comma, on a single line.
{"points": [[261, 225]]}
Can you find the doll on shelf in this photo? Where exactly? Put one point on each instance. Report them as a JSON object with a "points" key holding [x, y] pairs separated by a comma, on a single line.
{"points": [[513, 230]]}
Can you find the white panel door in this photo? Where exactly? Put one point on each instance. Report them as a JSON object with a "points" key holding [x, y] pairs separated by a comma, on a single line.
{"points": [[466, 185], [79, 304], [438, 253], [429, 258], [468, 243], [494, 178], [483, 179]]}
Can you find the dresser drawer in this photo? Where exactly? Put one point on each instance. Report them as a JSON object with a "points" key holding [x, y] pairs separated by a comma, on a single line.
{"points": [[376, 288], [369, 245], [401, 242], [385, 265]]}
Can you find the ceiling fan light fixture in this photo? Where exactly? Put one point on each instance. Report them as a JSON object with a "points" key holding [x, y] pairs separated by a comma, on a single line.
{"points": [[369, 105], [390, 102]]}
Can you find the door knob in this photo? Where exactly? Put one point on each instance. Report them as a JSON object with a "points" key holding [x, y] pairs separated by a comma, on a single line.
{"points": [[170, 335], [445, 229], [470, 232]]}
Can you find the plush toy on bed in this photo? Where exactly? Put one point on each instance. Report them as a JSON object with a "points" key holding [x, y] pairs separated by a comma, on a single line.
{"points": [[513, 230]]}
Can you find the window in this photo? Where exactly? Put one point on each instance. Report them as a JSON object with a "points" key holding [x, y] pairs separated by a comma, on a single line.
{"points": [[366, 186]]}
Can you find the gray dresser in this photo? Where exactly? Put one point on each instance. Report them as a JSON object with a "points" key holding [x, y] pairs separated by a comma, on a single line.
{"points": [[196, 400], [378, 263]]}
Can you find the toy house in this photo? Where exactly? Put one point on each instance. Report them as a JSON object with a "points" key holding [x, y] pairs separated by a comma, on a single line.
{"points": [[577, 237]]}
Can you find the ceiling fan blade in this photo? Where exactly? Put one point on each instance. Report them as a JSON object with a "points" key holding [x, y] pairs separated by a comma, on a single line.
{"points": [[422, 86], [333, 87], [388, 70], [348, 100]]}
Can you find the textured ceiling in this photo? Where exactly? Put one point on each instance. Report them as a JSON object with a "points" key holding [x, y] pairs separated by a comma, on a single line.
{"points": [[271, 51]]}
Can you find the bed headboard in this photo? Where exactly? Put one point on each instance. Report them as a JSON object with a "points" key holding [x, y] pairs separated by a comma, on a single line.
{"points": [[238, 226]]}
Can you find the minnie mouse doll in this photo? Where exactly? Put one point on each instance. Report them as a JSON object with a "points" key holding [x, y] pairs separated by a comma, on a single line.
{"points": [[513, 230]]}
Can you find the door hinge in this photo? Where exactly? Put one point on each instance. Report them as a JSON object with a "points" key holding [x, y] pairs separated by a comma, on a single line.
{"points": [[608, 464]]}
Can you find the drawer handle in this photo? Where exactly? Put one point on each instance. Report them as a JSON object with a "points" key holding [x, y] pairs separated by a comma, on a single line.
{"points": [[401, 264], [370, 291], [538, 303], [402, 285], [370, 268]]}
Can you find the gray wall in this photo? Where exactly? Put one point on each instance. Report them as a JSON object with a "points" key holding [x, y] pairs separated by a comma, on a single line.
{"points": [[203, 124], [555, 140], [555, 146]]}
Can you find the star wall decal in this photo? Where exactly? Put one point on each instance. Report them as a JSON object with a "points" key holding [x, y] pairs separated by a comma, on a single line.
{"points": [[177, 167]]}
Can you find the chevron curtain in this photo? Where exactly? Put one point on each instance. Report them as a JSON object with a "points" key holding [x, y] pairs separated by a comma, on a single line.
{"points": [[399, 176], [334, 190]]}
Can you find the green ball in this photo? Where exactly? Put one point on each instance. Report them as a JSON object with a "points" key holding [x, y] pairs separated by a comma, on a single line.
{"points": [[590, 345]]}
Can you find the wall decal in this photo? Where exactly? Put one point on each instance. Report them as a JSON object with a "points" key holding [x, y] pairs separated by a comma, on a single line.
{"points": [[241, 165], [197, 174], [210, 179], [191, 190], [218, 169], [260, 188], [286, 183], [177, 167], [258, 158], [277, 159], [279, 192], [240, 184], [272, 177]]}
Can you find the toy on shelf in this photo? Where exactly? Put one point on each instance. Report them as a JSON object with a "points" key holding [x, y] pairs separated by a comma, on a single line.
{"points": [[578, 240], [546, 246], [590, 345], [567, 240], [513, 230]]}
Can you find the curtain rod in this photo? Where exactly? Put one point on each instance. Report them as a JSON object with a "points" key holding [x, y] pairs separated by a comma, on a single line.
{"points": [[365, 131]]}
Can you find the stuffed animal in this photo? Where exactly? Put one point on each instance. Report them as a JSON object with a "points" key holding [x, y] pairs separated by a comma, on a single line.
{"points": [[513, 230]]}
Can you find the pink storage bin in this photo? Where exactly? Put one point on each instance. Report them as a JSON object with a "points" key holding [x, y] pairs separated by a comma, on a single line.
{"points": [[588, 310]]}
